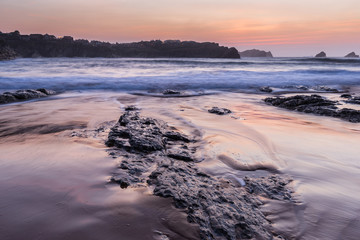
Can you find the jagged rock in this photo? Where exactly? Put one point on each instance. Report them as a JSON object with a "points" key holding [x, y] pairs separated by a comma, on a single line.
{"points": [[266, 89], [352, 55], [315, 104], [21, 95], [170, 92], [180, 155], [142, 134], [325, 89], [320, 55], [221, 209], [219, 111], [131, 108], [353, 100], [255, 53], [346, 95]]}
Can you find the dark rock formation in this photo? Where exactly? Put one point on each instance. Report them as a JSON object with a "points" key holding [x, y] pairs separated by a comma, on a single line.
{"points": [[219, 111], [346, 95], [353, 100], [321, 55], [255, 53], [162, 157], [21, 95], [352, 55], [266, 89], [325, 89], [37, 45], [315, 104], [170, 92], [6, 53]]}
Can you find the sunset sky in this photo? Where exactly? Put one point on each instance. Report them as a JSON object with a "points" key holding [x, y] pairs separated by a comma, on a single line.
{"points": [[287, 28]]}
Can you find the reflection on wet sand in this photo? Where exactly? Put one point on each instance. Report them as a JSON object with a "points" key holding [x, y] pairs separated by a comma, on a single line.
{"points": [[55, 181]]}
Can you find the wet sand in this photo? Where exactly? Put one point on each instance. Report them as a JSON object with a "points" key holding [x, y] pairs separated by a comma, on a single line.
{"points": [[54, 183]]}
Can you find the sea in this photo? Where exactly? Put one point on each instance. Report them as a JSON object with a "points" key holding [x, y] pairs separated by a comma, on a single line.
{"points": [[139, 74]]}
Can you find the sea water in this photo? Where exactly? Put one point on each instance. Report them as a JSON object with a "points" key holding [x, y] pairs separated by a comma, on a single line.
{"points": [[139, 74]]}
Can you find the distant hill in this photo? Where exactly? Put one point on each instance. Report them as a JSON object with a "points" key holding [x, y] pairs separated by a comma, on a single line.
{"points": [[255, 53], [320, 55], [352, 55], [38, 45]]}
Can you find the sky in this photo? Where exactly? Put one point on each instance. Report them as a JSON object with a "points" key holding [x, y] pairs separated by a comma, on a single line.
{"points": [[284, 27]]}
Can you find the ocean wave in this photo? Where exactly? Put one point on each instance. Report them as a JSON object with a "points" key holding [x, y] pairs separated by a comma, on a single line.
{"points": [[182, 74]]}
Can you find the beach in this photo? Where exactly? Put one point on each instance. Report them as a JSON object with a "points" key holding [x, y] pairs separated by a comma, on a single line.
{"points": [[287, 174], [55, 167]]}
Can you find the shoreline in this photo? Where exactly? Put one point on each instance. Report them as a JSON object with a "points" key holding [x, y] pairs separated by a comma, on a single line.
{"points": [[253, 134]]}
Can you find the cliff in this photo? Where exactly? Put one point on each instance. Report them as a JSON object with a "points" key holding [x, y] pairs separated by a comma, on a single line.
{"points": [[6, 53], [255, 53], [352, 55], [38, 45]]}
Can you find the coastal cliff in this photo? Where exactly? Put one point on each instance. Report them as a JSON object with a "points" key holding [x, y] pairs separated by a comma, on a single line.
{"points": [[6, 53], [255, 53], [38, 45]]}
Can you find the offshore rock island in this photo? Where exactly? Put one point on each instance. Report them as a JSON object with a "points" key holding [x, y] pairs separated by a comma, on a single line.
{"points": [[38, 45], [256, 53]]}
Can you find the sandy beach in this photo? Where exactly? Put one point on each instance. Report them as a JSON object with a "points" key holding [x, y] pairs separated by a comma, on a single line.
{"points": [[56, 168]]}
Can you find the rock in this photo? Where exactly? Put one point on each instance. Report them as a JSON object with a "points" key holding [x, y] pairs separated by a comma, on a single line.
{"points": [[314, 104], [219, 111], [46, 91], [180, 155], [28, 94], [325, 89], [231, 53], [352, 55], [145, 135], [255, 53], [170, 92], [7, 98], [266, 89], [6, 53], [346, 95], [131, 108], [303, 88], [21, 95], [353, 100], [221, 209], [320, 55]]}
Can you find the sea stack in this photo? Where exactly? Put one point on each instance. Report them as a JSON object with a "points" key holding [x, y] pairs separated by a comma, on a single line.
{"points": [[321, 55], [352, 55], [255, 53]]}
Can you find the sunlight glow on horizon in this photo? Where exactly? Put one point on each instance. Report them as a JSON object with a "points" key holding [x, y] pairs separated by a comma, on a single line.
{"points": [[283, 27]]}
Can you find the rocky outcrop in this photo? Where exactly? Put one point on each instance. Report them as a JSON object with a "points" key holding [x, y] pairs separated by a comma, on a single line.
{"points": [[352, 55], [315, 104], [266, 89], [22, 95], [255, 53], [320, 55], [219, 111], [6, 53], [38, 45], [353, 100], [158, 156]]}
